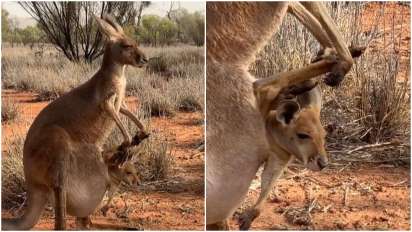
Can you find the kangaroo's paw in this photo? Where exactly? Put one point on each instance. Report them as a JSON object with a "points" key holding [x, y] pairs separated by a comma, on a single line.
{"points": [[247, 217]]}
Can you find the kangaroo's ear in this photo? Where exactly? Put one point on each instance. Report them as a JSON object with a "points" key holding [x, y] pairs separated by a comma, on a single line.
{"points": [[286, 111], [106, 28], [110, 20]]}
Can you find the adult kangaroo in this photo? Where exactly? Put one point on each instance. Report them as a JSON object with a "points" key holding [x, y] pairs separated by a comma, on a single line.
{"points": [[241, 111], [62, 154]]}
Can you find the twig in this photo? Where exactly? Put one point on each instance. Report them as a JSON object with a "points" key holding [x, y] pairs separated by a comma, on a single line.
{"points": [[316, 181], [372, 146], [377, 161], [345, 198]]}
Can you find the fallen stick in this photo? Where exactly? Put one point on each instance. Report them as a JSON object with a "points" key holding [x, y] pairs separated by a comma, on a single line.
{"points": [[372, 146]]}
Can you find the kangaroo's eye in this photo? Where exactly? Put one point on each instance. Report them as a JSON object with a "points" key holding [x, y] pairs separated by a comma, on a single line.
{"points": [[303, 136], [127, 45]]}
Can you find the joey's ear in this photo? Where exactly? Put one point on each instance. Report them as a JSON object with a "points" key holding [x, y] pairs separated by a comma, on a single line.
{"points": [[107, 29], [286, 111]]}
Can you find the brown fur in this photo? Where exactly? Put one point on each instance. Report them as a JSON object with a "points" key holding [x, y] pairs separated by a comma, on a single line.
{"points": [[239, 138], [62, 150]]}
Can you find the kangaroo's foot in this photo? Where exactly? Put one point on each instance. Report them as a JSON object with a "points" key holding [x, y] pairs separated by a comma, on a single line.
{"points": [[223, 225]]}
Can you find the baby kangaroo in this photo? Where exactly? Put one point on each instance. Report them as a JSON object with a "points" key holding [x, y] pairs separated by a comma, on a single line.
{"points": [[123, 171], [62, 151]]}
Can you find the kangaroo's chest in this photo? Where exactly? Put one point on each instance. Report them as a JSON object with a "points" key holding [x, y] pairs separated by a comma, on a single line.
{"points": [[113, 92], [120, 86]]}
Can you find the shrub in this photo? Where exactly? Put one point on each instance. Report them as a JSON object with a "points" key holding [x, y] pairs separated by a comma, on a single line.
{"points": [[13, 190], [9, 111]]}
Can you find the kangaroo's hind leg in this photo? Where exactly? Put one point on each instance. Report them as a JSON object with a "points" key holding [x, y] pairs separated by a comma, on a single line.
{"points": [[59, 189]]}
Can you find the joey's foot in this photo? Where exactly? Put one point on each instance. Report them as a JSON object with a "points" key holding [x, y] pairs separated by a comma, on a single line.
{"points": [[139, 137], [247, 217]]}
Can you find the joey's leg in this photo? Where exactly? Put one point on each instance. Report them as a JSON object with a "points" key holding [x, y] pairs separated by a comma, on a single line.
{"points": [[267, 89], [106, 207], [109, 107], [273, 168]]}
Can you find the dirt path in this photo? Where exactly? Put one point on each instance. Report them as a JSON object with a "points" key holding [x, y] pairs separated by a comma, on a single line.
{"points": [[177, 203], [377, 198]]}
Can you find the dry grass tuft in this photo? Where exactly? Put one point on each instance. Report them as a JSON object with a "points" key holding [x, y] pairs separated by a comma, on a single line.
{"points": [[13, 192], [9, 111]]}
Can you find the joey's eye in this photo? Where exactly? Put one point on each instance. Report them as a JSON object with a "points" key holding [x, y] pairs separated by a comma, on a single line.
{"points": [[303, 136]]}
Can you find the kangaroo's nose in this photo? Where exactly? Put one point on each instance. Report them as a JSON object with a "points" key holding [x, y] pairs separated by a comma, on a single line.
{"points": [[322, 162]]}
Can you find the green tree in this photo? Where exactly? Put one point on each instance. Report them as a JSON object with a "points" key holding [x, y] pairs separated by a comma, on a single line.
{"points": [[191, 27], [30, 35], [155, 30], [5, 25]]}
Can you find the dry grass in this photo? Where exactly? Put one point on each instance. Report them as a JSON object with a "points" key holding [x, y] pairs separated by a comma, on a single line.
{"points": [[9, 111], [174, 75], [13, 191], [372, 103]]}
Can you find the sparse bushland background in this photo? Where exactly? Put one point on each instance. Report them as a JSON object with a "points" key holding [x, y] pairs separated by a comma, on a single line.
{"points": [[367, 184], [167, 95]]}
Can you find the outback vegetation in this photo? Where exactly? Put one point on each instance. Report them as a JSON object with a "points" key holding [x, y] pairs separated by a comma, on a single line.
{"points": [[167, 95], [367, 184]]}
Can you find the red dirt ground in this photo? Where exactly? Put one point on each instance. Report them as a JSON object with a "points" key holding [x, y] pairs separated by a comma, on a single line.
{"points": [[179, 207], [378, 198]]}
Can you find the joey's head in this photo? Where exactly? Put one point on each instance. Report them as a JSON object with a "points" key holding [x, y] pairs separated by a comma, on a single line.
{"points": [[126, 173], [119, 47], [130, 175], [299, 132]]}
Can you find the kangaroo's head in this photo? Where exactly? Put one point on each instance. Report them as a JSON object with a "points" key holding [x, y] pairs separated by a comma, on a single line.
{"points": [[299, 132], [120, 48]]}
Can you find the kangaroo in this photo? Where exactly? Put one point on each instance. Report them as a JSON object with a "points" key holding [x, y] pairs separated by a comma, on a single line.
{"points": [[246, 126], [62, 151]]}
